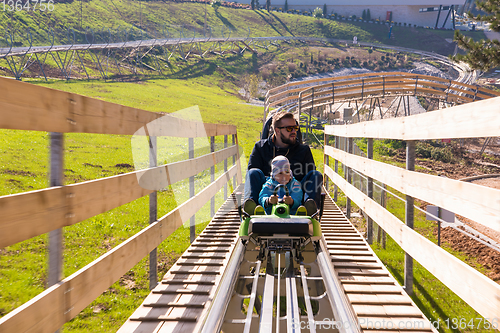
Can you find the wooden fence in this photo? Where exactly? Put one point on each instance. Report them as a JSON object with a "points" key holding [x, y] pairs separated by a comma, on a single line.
{"points": [[325, 91], [25, 215], [478, 203]]}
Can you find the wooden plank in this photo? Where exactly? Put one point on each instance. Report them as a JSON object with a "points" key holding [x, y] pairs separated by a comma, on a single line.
{"points": [[59, 304], [27, 106], [476, 202], [454, 122], [30, 214], [473, 287], [371, 289], [380, 299], [397, 324]]}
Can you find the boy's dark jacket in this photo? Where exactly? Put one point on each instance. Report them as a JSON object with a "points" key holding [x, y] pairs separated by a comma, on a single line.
{"points": [[299, 155]]}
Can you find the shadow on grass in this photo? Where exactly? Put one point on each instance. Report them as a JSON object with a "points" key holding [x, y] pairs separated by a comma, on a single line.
{"points": [[195, 70], [283, 24], [433, 305], [225, 21], [268, 22]]}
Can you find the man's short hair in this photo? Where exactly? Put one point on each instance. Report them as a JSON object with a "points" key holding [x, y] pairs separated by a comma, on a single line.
{"points": [[281, 115]]}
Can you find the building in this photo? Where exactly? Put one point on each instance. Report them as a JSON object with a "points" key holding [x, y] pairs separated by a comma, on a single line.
{"points": [[427, 13]]}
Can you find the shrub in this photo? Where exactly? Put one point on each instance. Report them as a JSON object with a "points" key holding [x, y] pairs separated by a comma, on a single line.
{"points": [[423, 149], [395, 144], [442, 154], [265, 74], [292, 67], [387, 151], [318, 13], [216, 4]]}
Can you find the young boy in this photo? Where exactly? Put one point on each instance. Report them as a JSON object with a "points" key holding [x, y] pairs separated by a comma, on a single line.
{"points": [[281, 174]]}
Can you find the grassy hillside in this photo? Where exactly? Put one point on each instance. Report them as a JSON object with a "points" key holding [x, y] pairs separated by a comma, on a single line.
{"points": [[163, 19]]}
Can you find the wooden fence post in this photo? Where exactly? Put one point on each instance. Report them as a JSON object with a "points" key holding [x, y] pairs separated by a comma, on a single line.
{"points": [[56, 236], [192, 221], [348, 176], [335, 187], [225, 168], [212, 177], [383, 198], [153, 215], [369, 189], [234, 161], [409, 218], [327, 160]]}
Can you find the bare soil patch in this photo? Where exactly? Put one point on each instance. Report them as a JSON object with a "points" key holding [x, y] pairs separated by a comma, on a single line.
{"points": [[484, 255]]}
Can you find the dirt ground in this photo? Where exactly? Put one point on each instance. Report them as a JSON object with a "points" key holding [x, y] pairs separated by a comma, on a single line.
{"points": [[470, 163], [474, 164], [484, 255]]}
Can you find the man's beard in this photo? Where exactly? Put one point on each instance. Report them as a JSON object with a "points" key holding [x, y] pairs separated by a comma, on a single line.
{"points": [[288, 141]]}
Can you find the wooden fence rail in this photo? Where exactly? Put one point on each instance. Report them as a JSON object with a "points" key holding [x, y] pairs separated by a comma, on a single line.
{"points": [[30, 214], [30, 107], [325, 91], [476, 202], [25, 215]]}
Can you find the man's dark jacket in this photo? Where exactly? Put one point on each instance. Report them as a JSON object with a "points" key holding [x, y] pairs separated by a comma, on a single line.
{"points": [[299, 155]]}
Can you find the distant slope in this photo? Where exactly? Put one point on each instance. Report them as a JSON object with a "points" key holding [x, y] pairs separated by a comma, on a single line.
{"points": [[162, 19]]}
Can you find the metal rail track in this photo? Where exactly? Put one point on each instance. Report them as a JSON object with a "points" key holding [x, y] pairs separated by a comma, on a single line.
{"points": [[26, 53], [185, 292], [183, 299]]}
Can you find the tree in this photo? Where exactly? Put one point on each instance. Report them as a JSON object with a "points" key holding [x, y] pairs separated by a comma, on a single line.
{"points": [[216, 4], [484, 54], [268, 5], [368, 15], [364, 14], [324, 9], [318, 13], [286, 5], [252, 4]]}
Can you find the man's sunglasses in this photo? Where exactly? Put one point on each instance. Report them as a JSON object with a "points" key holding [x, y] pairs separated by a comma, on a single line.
{"points": [[290, 128]]}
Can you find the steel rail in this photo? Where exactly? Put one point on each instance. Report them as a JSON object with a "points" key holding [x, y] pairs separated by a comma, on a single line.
{"points": [[267, 287]]}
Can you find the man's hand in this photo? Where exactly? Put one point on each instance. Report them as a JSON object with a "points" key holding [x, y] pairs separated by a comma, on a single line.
{"points": [[272, 200], [288, 200]]}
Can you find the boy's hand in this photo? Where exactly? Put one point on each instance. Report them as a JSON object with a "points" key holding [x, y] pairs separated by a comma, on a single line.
{"points": [[272, 200], [288, 200]]}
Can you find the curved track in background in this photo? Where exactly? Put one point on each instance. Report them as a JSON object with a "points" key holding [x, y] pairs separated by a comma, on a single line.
{"points": [[309, 94], [180, 46]]}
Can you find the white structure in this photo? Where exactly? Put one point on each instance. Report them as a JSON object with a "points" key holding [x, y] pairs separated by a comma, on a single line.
{"points": [[419, 12]]}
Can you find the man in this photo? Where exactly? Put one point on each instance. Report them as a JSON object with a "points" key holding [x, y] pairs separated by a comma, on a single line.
{"points": [[283, 142]]}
